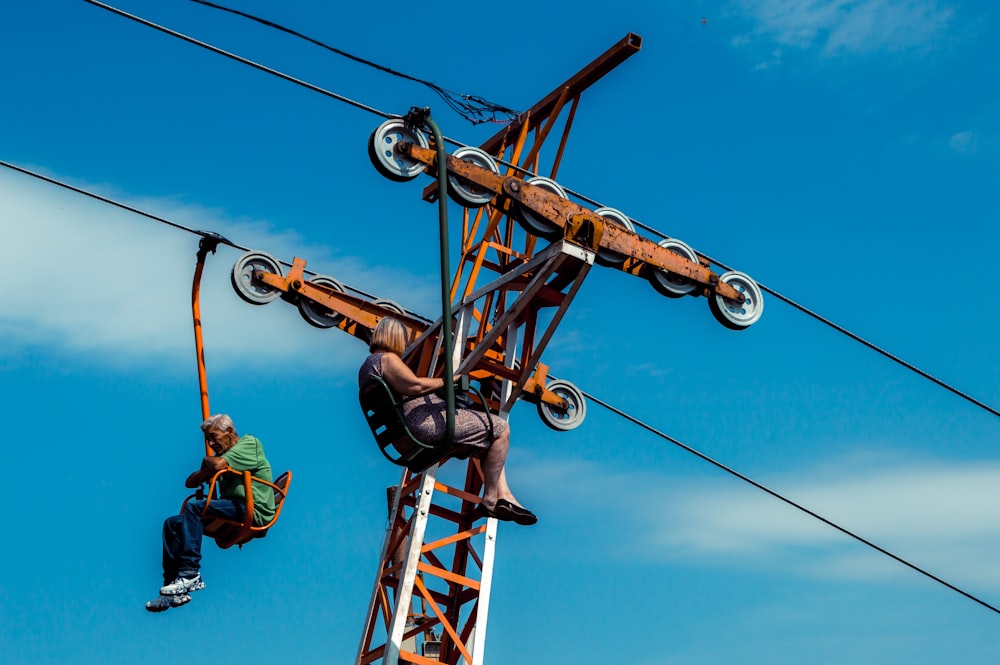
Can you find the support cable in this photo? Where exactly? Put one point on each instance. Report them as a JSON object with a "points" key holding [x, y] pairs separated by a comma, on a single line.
{"points": [[161, 220], [586, 199], [596, 400], [825, 321], [788, 501], [245, 61], [471, 107]]}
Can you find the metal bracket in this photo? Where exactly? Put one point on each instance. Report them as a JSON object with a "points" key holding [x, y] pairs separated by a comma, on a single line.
{"points": [[208, 243]]}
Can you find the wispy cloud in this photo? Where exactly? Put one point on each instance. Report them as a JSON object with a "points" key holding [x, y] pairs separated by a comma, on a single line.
{"points": [[98, 281], [964, 143], [939, 515], [833, 27]]}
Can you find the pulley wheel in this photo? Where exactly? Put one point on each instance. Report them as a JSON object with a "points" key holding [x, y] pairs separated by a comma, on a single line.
{"points": [[534, 223], [382, 150], [466, 193], [738, 314], [390, 305], [606, 257], [250, 289], [316, 314], [575, 412], [671, 284]]}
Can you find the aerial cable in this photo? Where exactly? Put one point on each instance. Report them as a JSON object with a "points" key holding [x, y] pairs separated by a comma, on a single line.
{"points": [[117, 204], [142, 213], [615, 410], [245, 61], [568, 191], [883, 352], [255, 65], [819, 317], [471, 107], [786, 500]]}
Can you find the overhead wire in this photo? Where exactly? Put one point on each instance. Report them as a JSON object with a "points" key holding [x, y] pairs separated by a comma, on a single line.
{"points": [[241, 59], [926, 375], [588, 396], [818, 317], [153, 217], [473, 108], [780, 497]]}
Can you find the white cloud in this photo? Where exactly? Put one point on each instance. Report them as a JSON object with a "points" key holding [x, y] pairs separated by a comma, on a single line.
{"points": [[964, 143], [88, 278], [938, 515], [848, 26]]}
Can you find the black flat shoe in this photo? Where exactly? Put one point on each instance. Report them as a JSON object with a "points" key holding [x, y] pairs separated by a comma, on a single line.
{"points": [[505, 511], [511, 512]]}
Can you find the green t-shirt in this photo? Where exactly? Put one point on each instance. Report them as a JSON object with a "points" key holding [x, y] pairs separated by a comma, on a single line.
{"points": [[248, 455]]}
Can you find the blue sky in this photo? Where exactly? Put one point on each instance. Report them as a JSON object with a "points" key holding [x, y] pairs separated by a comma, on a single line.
{"points": [[843, 153]]}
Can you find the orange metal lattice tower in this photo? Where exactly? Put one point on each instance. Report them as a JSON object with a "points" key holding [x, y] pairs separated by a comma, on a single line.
{"points": [[525, 251]]}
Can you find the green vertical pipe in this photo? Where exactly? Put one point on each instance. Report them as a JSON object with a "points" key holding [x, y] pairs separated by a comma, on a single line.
{"points": [[446, 332]]}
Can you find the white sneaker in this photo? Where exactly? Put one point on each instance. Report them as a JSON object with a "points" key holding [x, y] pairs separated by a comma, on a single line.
{"points": [[183, 585], [164, 603]]}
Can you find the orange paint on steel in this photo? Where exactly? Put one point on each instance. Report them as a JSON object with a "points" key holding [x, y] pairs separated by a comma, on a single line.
{"points": [[560, 211], [232, 532], [628, 46], [199, 347], [449, 594], [531, 161], [565, 137], [449, 629]]}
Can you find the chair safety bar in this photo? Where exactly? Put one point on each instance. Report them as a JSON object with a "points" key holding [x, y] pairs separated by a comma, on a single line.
{"points": [[232, 532], [383, 411]]}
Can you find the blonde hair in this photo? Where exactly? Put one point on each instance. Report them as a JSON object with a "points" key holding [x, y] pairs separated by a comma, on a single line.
{"points": [[390, 335]]}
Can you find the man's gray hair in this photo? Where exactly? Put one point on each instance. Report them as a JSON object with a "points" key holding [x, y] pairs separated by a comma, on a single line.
{"points": [[219, 421]]}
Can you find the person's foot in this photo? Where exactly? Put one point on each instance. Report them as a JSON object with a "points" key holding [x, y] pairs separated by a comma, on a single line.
{"points": [[164, 603], [507, 511], [514, 513], [183, 585]]}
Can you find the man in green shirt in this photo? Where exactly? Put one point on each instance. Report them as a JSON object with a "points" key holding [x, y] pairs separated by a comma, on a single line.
{"points": [[182, 533]]}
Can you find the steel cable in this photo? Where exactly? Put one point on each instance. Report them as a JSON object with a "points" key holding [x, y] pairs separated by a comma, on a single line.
{"points": [[589, 396], [151, 216], [818, 317], [471, 107], [241, 59], [586, 199], [797, 506]]}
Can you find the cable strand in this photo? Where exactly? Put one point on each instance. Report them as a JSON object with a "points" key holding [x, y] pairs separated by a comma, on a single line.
{"points": [[157, 218], [637, 223], [589, 396], [471, 107], [241, 59], [797, 506]]}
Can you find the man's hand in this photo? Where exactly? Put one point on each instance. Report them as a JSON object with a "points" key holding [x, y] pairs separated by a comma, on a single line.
{"points": [[209, 467]]}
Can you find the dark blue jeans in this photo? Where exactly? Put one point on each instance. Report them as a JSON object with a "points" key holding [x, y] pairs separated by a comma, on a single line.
{"points": [[182, 536]]}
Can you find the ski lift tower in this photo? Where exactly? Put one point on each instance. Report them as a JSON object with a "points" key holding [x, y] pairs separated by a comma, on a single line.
{"points": [[524, 253]]}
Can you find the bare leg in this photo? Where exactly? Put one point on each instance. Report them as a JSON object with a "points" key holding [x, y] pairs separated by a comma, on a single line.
{"points": [[495, 474], [494, 479]]}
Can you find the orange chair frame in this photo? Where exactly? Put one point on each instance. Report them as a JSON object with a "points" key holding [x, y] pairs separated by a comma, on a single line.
{"points": [[227, 533]]}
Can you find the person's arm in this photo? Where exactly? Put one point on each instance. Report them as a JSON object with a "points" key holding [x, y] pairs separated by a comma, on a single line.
{"points": [[209, 466], [402, 379]]}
